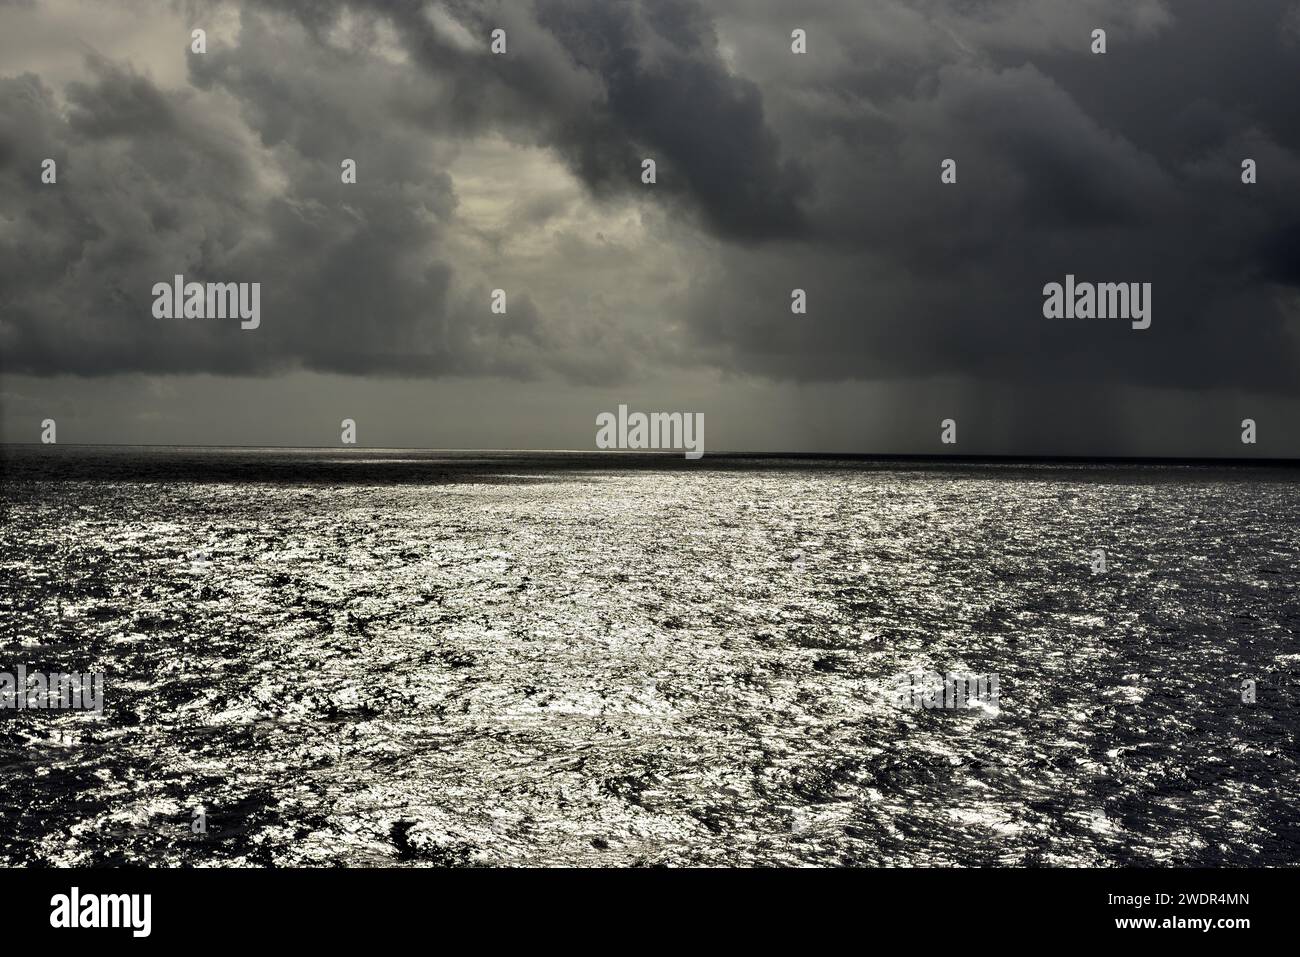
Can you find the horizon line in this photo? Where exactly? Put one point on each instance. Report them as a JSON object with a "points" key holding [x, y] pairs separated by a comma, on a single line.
{"points": [[1004, 457]]}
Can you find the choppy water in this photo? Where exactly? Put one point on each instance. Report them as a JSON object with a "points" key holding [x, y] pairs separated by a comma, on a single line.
{"points": [[372, 658]]}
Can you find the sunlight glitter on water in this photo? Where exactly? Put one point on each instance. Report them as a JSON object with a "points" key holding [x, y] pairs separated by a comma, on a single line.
{"points": [[627, 666]]}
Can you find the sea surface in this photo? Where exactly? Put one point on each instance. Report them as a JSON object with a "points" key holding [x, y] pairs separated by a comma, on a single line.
{"points": [[388, 657]]}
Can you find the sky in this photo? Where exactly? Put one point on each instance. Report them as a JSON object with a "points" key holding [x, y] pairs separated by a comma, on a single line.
{"points": [[775, 170]]}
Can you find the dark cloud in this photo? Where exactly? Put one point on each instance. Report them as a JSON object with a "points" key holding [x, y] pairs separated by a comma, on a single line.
{"points": [[118, 103], [154, 183], [608, 85], [775, 171], [668, 96], [1120, 167]]}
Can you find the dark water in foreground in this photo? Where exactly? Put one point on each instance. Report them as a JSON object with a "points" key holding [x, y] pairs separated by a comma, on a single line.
{"points": [[370, 658]]}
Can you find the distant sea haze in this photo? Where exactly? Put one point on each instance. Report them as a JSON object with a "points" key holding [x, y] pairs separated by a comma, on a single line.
{"points": [[392, 657]]}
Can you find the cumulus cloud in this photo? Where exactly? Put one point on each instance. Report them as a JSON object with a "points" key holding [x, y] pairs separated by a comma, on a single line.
{"points": [[775, 171]]}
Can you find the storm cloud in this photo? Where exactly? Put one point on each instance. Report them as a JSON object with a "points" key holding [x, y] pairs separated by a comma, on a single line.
{"points": [[775, 171]]}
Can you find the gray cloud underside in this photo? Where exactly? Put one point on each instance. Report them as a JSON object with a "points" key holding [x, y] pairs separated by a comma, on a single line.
{"points": [[775, 171]]}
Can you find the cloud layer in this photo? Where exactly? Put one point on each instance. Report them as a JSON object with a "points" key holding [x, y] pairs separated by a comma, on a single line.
{"points": [[775, 171]]}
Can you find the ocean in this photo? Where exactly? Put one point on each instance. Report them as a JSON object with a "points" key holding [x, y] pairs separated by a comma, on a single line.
{"points": [[327, 657]]}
